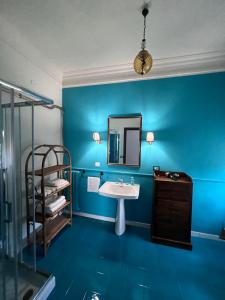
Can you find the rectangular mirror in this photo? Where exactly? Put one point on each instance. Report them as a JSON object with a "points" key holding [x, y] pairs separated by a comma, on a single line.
{"points": [[124, 140]]}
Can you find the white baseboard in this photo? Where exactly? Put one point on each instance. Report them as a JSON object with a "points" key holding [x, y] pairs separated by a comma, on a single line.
{"points": [[138, 224], [205, 235], [145, 225], [112, 220], [92, 216]]}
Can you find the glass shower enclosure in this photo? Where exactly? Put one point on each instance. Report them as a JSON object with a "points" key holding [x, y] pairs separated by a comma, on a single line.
{"points": [[19, 278]]}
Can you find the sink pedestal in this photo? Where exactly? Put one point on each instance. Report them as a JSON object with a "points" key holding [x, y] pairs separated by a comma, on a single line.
{"points": [[120, 192], [120, 225]]}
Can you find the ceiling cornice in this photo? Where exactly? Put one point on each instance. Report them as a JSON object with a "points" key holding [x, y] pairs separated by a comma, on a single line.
{"points": [[200, 63]]}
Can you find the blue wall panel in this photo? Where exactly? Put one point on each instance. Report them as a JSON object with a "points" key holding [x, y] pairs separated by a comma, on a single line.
{"points": [[187, 115]]}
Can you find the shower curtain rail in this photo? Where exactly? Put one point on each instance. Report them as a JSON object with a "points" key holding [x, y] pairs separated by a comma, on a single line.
{"points": [[28, 103], [28, 96]]}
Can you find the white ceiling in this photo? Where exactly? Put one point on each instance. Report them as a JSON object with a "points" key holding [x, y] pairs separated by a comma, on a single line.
{"points": [[85, 34]]}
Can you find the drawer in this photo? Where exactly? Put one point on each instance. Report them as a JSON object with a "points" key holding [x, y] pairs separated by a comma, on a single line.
{"points": [[171, 231], [171, 211], [173, 195], [171, 191]]}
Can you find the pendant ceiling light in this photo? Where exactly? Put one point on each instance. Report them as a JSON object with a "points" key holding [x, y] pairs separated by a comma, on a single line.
{"points": [[143, 61]]}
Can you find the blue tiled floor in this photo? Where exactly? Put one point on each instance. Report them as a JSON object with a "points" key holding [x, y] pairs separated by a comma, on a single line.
{"points": [[88, 257]]}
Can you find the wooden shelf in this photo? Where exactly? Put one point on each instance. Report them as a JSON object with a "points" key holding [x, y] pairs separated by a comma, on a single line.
{"points": [[50, 170], [51, 223], [48, 217], [52, 229], [39, 196]]}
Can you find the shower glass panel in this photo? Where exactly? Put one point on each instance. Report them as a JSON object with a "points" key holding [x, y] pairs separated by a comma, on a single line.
{"points": [[18, 276], [8, 240]]}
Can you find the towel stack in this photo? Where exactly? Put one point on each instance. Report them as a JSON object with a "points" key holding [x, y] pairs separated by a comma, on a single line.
{"points": [[52, 185], [58, 182], [52, 204]]}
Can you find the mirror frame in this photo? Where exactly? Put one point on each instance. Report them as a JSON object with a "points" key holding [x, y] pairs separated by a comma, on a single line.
{"points": [[132, 116]]}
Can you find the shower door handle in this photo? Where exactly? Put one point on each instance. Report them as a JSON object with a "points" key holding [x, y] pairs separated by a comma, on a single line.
{"points": [[8, 212]]}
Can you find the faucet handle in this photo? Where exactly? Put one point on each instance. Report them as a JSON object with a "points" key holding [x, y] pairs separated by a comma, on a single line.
{"points": [[120, 180], [132, 180]]}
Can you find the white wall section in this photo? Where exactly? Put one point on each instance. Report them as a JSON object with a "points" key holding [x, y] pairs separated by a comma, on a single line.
{"points": [[22, 64]]}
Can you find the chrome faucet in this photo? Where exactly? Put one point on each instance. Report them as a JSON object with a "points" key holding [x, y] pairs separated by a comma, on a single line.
{"points": [[132, 180], [120, 180]]}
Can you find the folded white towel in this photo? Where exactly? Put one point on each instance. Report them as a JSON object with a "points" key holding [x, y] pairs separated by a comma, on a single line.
{"points": [[58, 182], [52, 204], [48, 190], [51, 210]]}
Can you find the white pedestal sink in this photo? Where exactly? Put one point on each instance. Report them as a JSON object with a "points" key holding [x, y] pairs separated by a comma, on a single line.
{"points": [[121, 192]]}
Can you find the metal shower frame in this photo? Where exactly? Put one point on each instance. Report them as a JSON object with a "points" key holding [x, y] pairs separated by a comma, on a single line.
{"points": [[28, 99]]}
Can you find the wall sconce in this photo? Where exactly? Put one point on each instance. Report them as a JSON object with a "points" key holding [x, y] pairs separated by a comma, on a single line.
{"points": [[150, 137], [96, 137]]}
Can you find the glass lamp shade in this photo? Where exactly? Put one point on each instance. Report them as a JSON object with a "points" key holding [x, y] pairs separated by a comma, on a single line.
{"points": [[150, 137], [96, 137], [143, 62]]}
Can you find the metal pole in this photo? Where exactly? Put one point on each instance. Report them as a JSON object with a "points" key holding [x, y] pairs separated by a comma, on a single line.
{"points": [[33, 191], [14, 198], [20, 192], [2, 226]]}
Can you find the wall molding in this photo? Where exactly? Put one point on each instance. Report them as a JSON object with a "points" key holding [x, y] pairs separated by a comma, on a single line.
{"points": [[145, 225], [81, 170], [200, 63]]}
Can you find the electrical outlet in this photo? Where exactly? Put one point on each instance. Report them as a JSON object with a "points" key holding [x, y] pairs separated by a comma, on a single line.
{"points": [[156, 168], [97, 164]]}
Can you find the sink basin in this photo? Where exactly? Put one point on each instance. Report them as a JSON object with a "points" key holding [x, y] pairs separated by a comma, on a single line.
{"points": [[120, 192]]}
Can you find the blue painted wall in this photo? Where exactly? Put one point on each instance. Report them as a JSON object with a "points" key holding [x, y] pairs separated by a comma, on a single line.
{"points": [[187, 115]]}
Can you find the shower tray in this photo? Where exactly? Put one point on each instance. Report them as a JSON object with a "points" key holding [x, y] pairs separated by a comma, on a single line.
{"points": [[31, 285]]}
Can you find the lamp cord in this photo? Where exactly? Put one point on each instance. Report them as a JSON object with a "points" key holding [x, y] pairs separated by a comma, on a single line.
{"points": [[143, 39], [144, 28], [143, 47]]}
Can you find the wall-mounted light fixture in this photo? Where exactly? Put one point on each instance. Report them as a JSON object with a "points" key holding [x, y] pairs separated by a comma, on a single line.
{"points": [[96, 137], [150, 137]]}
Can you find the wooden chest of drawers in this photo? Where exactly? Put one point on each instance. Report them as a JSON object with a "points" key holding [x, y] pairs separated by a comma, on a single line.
{"points": [[172, 206]]}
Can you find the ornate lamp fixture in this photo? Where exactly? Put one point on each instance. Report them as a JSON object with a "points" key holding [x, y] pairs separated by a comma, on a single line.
{"points": [[143, 61]]}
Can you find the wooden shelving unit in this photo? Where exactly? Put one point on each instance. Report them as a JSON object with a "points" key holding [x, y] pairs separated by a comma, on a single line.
{"points": [[53, 223]]}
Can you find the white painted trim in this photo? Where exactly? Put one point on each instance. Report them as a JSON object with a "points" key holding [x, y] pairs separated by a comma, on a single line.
{"points": [[96, 217], [145, 225], [138, 224], [205, 235], [109, 219], [192, 64]]}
